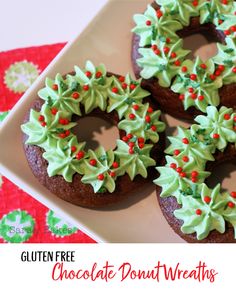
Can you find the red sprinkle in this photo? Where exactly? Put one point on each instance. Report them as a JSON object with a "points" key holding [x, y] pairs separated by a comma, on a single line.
{"points": [[43, 124], [194, 95], [173, 55], [136, 107], [93, 162], [54, 111], [194, 179], [125, 139], [141, 140], [166, 50], [122, 79], [233, 195], [179, 169], [73, 148], [168, 40], [216, 136], [182, 174], [55, 87], [75, 95], [181, 97], [234, 70], [131, 151], [154, 128], [148, 119], [141, 145], [150, 110], [67, 132], [98, 75], [195, 3], [233, 28], [41, 118], [88, 74], [124, 85], [86, 87], [173, 166], [194, 174], [148, 23], [185, 159], [212, 77], [201, 97], [132, 116], [225, 2], [198, 212], [177, 63], [227, 117], [80, 155], [115, 90], [203, 66], [132, 86], [176, 152], [129, 135], [227, 32], [231, 205], [131, 144], [112, 174], [221, 68], [157, 52], [185, 140], [190, 90], [217, 73], [100, 177], [207, 199], [159, 13], [154, 47], [193, 77], [184, 69], [115, 165]]}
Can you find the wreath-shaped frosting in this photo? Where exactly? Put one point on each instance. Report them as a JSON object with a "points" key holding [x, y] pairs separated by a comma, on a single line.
{"points": [[88, 89], [203, 209], [163, 56]]}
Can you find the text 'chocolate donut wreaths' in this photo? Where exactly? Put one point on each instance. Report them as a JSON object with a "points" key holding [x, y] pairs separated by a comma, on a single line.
{"points": [[192, 90]]}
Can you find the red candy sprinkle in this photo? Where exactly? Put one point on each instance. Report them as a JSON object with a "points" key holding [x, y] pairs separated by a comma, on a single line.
{"points": [[131, 144], [216, 136], [194, 174], [217, 73], [148, 23], [201, 97], [190, 90], [43, 124], [221, 68], [181, 97], [182, 174], [88, 74], [86, 87], [207, 199], [185, 159], [184, 69], [41, 118], [93, 162], [168, 40], [193, 95], [115, 165], [98, 75], [195, 3], [141, 145], [157, 52], [129, 135], [233, 195], [80, 155], [179, 169], [148, 119], [150, 110], [227, 32], [67, 132], [234, 70], [122, 79], [198, 212], [131, 151], [159, 13], [124, 85], [125, 139], [173, 166], [100, 177], [115, 90], [132, 116], [227, 117], [233, 28], [231, 205], [212, 77], [141, 140], [166, 50], [176, 152], [112, 174], [203, 66], [73, 148], [225, 2], [136, 107], [154, 47], [173, 55], [177, 63], [132, 86], [55, 87], [185, 140], [193, 77], [75, 95], [54, 111], [154, 128], [194, 179]]}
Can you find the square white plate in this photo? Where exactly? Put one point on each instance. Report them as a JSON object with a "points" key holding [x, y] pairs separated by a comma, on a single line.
{"points": [[107, 39]]}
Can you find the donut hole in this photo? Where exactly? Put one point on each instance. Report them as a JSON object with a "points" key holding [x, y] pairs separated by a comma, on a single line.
{"points": [[96, 131], [223, 170], [201, 39]]}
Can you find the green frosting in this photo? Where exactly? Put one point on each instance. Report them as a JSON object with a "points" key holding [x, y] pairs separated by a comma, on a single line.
{"points": [[163, 56], [136, 163], [207, 212], [122, 100], [183, 176], [198, 86], [214, 10], [162, 65], [146, 123], [226, 56], [180, 10], [159, 27], [51, 128]]}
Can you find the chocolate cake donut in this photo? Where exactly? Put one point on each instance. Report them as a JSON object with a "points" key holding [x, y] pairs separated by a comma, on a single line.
{"points": [[196, 212], [62, 164], [184, 88]]}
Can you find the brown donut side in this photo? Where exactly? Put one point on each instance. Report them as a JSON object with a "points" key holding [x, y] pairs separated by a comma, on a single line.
{"points": [[169, 205], [168, 100], [76, 192]]}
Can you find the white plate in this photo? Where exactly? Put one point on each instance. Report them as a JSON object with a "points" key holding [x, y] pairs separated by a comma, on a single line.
{"points": [[107, 39]]}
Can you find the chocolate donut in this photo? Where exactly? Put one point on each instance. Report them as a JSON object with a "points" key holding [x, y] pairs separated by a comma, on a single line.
{"points": [[93, 178], [182, 87], [196, 212]]}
